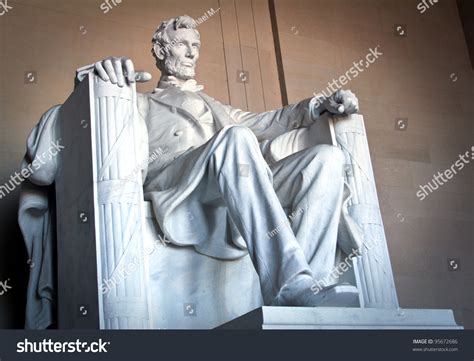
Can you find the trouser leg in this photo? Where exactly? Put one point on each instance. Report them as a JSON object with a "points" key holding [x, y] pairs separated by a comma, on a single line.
{"points": [[310, 185], [245, 183]]}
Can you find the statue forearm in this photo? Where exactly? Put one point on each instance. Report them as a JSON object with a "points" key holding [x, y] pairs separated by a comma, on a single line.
{"points": [[317, 108]]}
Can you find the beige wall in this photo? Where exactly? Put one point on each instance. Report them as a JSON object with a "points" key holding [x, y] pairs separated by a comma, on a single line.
{"points": [[320, 40], [410, 80]]}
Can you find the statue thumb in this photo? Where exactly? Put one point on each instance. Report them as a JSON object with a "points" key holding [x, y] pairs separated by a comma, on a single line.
{"points": [[142, 76]]}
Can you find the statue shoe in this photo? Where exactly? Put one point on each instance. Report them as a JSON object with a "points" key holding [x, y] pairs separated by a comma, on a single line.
{"points": [[302, 293]]}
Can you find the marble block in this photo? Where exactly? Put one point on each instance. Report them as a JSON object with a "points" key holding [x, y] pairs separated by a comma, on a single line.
{"points": [[329, 318]]}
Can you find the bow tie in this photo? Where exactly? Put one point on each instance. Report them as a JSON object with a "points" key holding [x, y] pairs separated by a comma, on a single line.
{"points": [[188, 85]]}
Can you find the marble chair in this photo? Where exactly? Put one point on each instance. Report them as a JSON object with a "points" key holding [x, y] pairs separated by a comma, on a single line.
{"points": [[115, 269]]}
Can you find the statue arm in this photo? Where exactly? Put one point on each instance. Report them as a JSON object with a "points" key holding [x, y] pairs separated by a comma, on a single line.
{"points": [[271, 124]]}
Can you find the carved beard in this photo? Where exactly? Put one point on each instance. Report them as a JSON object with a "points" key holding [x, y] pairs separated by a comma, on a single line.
{"points": [[180, 72]]}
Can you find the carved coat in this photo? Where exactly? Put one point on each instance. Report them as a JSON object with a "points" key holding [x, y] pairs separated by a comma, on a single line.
{"points": [[179, 122]]}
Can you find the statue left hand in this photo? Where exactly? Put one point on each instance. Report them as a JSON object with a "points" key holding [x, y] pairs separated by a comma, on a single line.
{"points": [[342, 102]]}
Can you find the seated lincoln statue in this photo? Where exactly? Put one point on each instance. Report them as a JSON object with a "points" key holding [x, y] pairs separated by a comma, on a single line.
{"points": [[215, 185], [215, 156]]}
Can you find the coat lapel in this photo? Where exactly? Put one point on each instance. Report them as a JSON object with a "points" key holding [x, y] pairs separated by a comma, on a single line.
{"points": [[221, 118], [172, 97]]}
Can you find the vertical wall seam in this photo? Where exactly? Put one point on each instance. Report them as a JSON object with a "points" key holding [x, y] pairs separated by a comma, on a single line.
{"points": [[241, 56], [223, 49], [258, 56], [279, 58]]}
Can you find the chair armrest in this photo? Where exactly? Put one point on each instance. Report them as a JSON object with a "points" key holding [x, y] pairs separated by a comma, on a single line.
{"points": [[320, 132], [100, 186], [375, 276]]}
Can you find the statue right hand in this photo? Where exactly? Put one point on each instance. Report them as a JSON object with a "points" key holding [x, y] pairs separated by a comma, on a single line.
{"points": [[118, 69]]}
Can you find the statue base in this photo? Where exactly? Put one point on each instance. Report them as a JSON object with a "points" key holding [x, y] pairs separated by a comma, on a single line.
{"points": [[329, 318]]}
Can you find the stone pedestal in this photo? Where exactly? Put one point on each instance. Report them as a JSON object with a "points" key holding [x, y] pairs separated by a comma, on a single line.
{"points": [[334, 318]]}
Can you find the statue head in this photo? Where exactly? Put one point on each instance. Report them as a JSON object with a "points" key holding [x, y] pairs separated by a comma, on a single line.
{"points": [[176, 47]]}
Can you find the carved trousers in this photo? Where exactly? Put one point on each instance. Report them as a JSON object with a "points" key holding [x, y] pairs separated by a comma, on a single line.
{"points": [[288, 213]]}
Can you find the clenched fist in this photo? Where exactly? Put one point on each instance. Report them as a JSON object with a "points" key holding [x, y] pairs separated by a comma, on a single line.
{"points": [[342, 102]]}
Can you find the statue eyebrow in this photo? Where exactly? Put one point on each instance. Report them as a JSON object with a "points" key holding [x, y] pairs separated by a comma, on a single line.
{"points": [[188, 42]]}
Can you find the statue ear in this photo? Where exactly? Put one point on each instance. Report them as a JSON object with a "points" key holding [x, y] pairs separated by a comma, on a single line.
{"points": [[159, 51]]}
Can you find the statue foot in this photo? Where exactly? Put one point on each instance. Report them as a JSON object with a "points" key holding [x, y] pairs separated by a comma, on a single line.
{"points": [[300, 294]]}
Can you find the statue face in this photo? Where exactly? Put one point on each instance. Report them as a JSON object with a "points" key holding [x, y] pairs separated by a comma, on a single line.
{"points": [[183, 55]]}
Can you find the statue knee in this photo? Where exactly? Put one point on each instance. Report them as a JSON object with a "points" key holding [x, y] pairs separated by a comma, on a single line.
{"points": [[329, 156], [330, 153], [240, 143], [240, 135]]}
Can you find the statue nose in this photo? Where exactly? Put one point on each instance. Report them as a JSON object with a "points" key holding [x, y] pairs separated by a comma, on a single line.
{"points": [[191, 53]]}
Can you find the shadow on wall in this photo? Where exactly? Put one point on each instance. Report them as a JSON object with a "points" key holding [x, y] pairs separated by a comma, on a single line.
{"points": [[466, 13]]}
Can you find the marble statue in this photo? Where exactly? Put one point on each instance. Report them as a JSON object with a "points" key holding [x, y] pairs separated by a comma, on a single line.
{"points": [[215, 162], [221, 183], [215, 185]]}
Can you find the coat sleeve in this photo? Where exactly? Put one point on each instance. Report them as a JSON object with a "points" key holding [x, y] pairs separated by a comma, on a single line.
{"points": [[271, 124]]}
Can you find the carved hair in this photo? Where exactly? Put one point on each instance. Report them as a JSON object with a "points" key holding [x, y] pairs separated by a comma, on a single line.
{"points": [[161, 40]]}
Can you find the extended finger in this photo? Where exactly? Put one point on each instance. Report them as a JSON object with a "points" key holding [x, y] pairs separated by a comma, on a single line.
{"points": [[109, 68], [142, 76], [101, 71], [129, 68], [119, 72]]}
